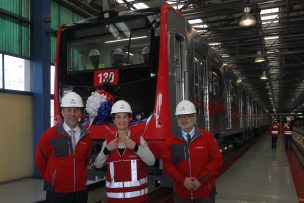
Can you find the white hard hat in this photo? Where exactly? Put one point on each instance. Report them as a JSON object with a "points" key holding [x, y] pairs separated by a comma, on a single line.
{"points": [[145, 50], [185, 107], [71, 99], [121, 106], [118, 51], [94, 52]]}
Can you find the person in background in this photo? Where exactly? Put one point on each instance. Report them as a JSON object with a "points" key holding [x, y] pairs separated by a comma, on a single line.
{"points": [[274, 131], [192, 158], [94, 58], [126, 155], [145, 54], [63, 154], [287, 132], [118, 55]]}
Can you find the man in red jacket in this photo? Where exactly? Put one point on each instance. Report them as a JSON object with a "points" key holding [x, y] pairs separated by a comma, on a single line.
{"points": [[274, 131], [287, 131], [63, 153], [193, 158]]}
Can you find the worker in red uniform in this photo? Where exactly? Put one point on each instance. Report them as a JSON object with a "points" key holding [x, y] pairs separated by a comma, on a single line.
{"points": [[192, 158], [63, 154], [127, 155], [274, 131], [287, 132]]}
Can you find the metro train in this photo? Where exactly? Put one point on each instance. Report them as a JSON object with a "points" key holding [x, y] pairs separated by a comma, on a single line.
{"points": [[181, 65]]}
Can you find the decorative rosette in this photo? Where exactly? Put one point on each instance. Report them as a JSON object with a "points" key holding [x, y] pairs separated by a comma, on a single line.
{"points": [[99, 106]]}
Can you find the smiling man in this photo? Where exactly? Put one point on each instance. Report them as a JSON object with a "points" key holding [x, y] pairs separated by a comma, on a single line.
{"points": [[192, 158], [63, 154]]}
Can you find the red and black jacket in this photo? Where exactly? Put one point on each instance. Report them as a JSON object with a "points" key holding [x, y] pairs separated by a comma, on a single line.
{"points": [[62, 169], [201, 159]]}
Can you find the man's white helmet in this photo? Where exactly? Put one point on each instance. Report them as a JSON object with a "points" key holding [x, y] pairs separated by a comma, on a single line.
{"points": [[121, 106], [185, 107], [94, 52], [145, 50], [71, 99], [118, 51]]}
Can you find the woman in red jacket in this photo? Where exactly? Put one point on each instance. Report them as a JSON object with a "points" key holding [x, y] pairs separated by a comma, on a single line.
{"points": [[193, 158], [127, 156]]}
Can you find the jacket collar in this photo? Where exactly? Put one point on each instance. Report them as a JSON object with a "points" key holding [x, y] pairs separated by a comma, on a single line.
{"points": [[60, 130], [197, 133]]}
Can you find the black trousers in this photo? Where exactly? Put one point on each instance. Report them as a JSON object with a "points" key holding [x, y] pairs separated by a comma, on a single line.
{"points": [[288, 139], [71, 197], [274, 141]]}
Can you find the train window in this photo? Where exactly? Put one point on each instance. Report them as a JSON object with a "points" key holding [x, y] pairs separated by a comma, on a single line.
{"points": [[215, 84], [198, 85], [101, 50]]}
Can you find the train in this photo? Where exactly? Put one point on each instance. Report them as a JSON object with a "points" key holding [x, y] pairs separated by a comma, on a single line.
{"points": [[179, 65]]}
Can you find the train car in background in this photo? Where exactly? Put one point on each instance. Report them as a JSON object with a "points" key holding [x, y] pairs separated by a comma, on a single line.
{"points": [[180, 65]]}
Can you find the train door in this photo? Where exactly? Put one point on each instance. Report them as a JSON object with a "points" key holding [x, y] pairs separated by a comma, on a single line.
{"points": [[199, 92], [178, 75]]}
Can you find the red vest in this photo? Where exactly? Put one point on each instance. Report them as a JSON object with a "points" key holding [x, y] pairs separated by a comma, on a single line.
{"points": [[287, 129], [127, 176], [275, 130]]}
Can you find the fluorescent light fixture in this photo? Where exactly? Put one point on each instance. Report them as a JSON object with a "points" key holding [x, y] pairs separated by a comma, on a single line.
{"points": [[225, 56], [124, 39], [195, 21], [214, 44], [247, 19], [267, 22], [270, 17], [271, 37], [271, 10], [140, 5], [200, 26], [122, 2]]}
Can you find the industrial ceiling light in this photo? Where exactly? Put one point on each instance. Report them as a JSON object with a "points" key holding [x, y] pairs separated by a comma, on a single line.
{"points": [[259, 58], [264, 76], [247, 19]]}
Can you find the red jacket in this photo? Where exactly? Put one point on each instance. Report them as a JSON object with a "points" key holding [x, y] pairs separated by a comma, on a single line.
{"points": [[274, 129], [201, 159], [127, 175], [61, 169], [287, 128]]}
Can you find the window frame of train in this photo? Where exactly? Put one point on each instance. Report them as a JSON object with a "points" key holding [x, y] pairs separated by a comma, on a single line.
{"points": [[80, 38]]}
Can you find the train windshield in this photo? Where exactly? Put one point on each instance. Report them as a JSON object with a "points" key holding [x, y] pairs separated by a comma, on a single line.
{"points": [[111, 44]]}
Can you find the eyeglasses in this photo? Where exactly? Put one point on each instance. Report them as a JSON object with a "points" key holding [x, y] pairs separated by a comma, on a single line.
{"points": [[185, 116], [74, 110]]}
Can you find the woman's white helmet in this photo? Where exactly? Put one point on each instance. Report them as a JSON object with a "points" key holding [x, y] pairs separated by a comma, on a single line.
{"points": [[71, 99], [185, 107], [121, 106]]}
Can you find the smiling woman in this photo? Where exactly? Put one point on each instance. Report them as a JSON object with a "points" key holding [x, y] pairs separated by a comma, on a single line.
{"points": [[127, 156]]}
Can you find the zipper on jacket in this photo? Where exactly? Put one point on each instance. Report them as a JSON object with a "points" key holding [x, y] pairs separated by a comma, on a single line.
{"points": [[189, 162], [53, 178]]}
